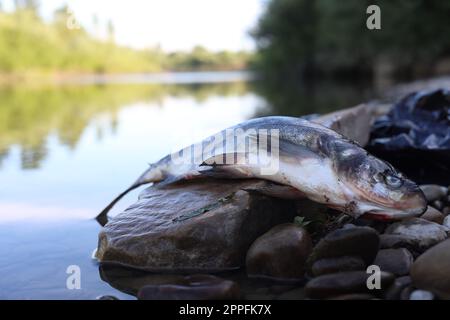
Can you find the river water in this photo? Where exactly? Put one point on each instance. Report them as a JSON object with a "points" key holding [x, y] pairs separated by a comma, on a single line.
{"points": [[66, 150]]}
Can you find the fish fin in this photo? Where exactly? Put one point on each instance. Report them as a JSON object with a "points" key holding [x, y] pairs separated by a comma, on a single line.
{"points": [[292, 150], [150, 175], [226, 166], [225, 159], [105, 211], [224, 172], [170, 179]]}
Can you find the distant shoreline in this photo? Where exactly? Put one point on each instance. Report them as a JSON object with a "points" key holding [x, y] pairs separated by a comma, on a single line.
{"points": [[163, 77]]}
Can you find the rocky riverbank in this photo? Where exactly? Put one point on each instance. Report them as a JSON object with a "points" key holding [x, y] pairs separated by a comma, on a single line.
{"points": [[214, 239]]}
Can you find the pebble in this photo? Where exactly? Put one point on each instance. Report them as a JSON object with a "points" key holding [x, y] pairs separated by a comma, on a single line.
{"points": [[396, 261], [446, 222], [356, 241], [433, 215], [295, 294], [406, 293], [392, 241], [337, 264], [336, 284], [446, 211], [422, 234], [430, 271], [395, 290], [433, 192], [438, 204], [280, 253], [421, 295]]}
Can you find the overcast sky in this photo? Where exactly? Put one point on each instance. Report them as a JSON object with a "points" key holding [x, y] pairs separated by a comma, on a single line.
{"points": [[173, 24]]}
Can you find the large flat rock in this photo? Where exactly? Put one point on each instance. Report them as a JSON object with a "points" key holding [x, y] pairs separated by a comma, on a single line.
{"points": [[198, 225]]}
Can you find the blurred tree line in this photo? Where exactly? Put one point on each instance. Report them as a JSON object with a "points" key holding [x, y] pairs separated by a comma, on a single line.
{"points": [[300, 39], [28, 45]]}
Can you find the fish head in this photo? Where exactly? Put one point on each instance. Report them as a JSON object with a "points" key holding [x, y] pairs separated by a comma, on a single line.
{"points": [[378, 190]]}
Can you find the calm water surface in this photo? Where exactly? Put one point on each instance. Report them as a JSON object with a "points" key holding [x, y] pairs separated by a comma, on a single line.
{"points": [[66, 150]]}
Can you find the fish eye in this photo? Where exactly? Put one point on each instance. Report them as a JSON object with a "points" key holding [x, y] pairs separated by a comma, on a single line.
{"points": [[393, 181]]}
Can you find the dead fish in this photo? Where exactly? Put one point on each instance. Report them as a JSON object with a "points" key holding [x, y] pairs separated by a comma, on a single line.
{"points": [[311, 161]]}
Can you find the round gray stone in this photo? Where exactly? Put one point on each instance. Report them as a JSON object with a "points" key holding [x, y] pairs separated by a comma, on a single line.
{"points": [[431, 270], [336, 284], [356, 241], [396, 261], [422, 233]]}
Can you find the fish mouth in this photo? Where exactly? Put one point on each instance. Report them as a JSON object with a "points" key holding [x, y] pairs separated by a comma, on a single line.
{"points": [[388, 214], [412, 204]]}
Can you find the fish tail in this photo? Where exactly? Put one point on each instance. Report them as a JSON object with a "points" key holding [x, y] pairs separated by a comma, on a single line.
{"points": [[120, 196], [150, 175]]}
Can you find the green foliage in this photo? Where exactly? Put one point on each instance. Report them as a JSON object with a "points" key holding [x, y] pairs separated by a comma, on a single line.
{"points": [[202, 59], [301, 222], [330, 37], [29, 46]]}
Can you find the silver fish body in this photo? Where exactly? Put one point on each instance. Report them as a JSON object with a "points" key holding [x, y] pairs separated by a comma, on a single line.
{"points": [[313, 160]]}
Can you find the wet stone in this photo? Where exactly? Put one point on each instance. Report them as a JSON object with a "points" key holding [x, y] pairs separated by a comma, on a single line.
{"points": [[438, 204], [392, 241], [336, 284], [422, 234], [197, 226], [356, 241], [406, 293], [337, 264], [433, 215], [433, 192], [295, 294], [395, 290], [430, 271], [396, 261], [130, 280], [280, 253], [421, 295]]}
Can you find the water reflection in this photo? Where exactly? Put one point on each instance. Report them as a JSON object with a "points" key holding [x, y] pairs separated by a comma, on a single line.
{"points": [[28, 116]]}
